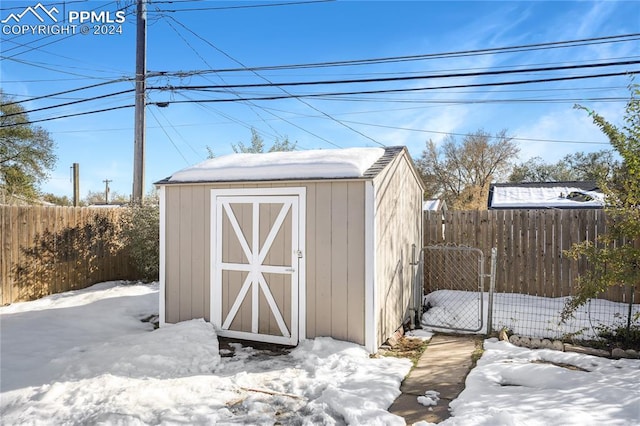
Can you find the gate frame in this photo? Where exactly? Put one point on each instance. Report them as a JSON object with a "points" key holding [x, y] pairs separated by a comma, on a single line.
{"points": [[300, 192], [481, 285]]}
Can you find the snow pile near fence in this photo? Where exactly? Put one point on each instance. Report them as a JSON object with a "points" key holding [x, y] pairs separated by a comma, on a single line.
{"points": [[89, 357]]}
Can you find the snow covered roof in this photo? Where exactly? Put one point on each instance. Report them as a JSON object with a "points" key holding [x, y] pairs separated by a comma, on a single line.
{"points": [[545, 195], [309, 164]]}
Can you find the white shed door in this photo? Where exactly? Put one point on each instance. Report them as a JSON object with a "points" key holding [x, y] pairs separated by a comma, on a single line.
{"points": [[255, 276]]}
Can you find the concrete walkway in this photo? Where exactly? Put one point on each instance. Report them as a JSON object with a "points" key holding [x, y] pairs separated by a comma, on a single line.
{"points": [[443, 367]]}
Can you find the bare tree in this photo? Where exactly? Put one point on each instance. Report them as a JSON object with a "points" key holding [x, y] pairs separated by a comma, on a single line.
{"points": [[461, 172], [592, 166], [98, 197], [257, 145]]}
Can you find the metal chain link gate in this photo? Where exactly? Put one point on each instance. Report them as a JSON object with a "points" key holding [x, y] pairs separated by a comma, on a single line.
{"points": [[454, 283]]}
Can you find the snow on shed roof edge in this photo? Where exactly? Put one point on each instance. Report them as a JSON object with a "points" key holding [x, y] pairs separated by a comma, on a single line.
{"points": [[348, 163]]}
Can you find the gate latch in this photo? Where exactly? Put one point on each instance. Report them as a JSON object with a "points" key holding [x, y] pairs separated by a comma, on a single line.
{"points": [[298, 253]]}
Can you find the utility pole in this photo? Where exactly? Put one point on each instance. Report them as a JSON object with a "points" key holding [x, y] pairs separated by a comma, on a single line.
{"points": [[106, 190], [141, 71], [76, 184]]}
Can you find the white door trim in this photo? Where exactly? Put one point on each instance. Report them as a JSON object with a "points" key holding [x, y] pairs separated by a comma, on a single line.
{"points": [[294, 200]]}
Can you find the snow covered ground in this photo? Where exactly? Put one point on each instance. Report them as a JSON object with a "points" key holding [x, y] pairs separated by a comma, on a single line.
{"points": [[517, 386], [86, 357], [530, 316]]}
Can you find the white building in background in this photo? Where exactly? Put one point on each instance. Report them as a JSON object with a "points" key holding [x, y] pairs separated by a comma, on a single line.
{"points": [[545, 195]]}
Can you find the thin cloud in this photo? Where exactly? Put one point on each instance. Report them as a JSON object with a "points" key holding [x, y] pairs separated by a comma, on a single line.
{"points": [[566, 124]]}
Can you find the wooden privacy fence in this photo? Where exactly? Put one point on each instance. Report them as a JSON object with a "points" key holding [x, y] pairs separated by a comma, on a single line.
{"points": [[46, 250], [530, 246]]}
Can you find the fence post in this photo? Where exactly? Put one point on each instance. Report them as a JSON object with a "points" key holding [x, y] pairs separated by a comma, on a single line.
{"points": [[492, 287], [632, 291]]}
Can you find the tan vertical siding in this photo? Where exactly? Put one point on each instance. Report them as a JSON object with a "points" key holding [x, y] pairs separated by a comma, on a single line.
{"points": [[198, 259], [311, 266], [334, 255], [322, 277], [398, 208], [335, 264], [355, 273], [173, 255], [339, 261], [185, 228]]}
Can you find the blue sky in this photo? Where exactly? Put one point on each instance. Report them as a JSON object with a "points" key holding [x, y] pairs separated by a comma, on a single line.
{"points": [[222, 35]]}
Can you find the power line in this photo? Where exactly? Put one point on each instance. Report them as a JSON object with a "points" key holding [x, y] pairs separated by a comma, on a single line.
{"points": [[412, 108], [360, 112], [352, 122], [403, 78], [385, 79], [320, 95], [176, 1], [461, 53], [250, 6], [489, 101], [372, 73], [184, 74], [44, 67], [169, 137], [59, 56], [249, 104], [176, 132], [49, 80], [56, 40], [64, 92], [413, 89], [468, 134], [283, 90], [67, 116], [6, 9], [70, 103], [263, 78], [252, 106], [367, 80], [279, 118], [210, 109]]}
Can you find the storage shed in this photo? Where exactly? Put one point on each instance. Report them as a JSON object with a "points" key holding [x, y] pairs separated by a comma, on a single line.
{"points": [[284, 246]]}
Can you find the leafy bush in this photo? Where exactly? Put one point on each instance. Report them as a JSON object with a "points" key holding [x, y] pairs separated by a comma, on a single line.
{"points": [[624, 334], [615, 257], [141, 235]]}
